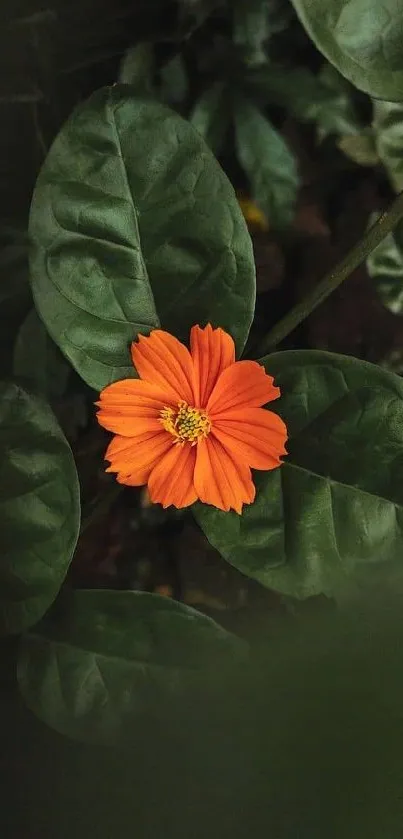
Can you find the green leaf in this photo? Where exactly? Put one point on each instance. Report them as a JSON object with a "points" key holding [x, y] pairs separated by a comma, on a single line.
{"points": [[133, 225], [174, 81], [335, 112], [251, 30], [137, 66], [385, 267], [211, 116], [388, 131], [268, 163], [115, 658], [361, 148], [324, 98], [39, 508], [38, 360], [362, 38], [254, 24], [332, 514]]}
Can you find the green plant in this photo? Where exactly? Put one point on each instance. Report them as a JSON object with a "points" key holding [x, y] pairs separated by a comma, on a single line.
{"points": [[245, 83], [135, 226]]}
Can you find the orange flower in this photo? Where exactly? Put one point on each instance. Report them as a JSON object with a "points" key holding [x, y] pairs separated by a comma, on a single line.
{"points": [[192, 426]]}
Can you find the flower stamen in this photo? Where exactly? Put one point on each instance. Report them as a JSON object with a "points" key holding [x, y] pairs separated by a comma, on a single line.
{"points": [[187, 424]]}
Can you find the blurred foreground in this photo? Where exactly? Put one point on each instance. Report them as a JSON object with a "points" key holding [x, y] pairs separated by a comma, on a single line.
{"points": [[305, 740]]}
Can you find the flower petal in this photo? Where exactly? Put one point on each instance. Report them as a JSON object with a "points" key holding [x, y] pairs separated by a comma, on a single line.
{"points": [[212, 351], [220, 479], [162, 360], [254, 435], [134, 458], [244, 384], [130, 407], [171, 480], [128, 426]]}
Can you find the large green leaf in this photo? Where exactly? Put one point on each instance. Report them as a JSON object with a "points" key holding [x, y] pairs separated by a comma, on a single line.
{"points": [[114, 658], [268, 163], [388, 132], [134, 224], [332, 514], [362, 38], [39, 508], [385, 267]]}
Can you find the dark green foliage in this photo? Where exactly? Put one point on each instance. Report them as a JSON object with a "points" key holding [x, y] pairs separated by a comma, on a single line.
{"points": [[333, 513], [385, 267], [362, 38], [154, 236], [112, 660], [268, 162], [39, 508]]}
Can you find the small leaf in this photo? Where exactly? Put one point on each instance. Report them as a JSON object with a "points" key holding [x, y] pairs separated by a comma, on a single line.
{"points": [[174, 82], [113, 659], [268, 162], [134, 225], [362, 38], [211, 116], [254, 24], [361, 148], [137, 67], [324, 99], [332, 514], [388, 130], [251, 30], [385, 267], [39, 508], [335, 112], [38, 360]]}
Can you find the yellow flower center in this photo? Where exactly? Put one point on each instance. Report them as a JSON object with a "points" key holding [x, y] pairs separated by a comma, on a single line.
{"points": [[186, 424]]}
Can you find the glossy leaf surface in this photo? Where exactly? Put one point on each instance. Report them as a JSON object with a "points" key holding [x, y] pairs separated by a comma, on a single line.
{"points": [[362, 38], [134, 224], [332, 514], [39, 508]]}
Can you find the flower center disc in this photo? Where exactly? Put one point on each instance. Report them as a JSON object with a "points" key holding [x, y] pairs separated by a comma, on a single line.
{"points": [[186, 424]]}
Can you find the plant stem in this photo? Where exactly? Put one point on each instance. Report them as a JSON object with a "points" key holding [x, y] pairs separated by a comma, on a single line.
{"points": [[371, 239]]}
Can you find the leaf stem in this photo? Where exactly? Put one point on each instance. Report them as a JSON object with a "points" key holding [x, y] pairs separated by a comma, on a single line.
{"points": [[371, 239]]}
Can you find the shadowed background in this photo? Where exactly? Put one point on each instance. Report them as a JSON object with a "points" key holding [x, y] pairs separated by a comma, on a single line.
{"points": [[305, 740]]}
